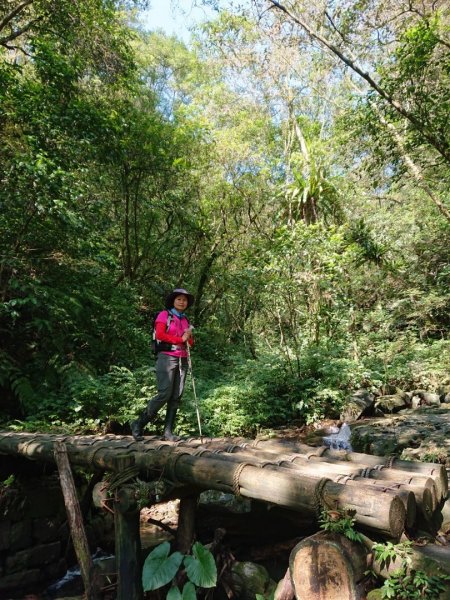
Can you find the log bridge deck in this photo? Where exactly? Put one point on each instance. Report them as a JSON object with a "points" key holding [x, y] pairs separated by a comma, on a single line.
{"points": [[386, 494]]}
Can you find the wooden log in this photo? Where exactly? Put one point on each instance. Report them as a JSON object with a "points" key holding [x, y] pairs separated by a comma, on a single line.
{"points": [[381, 513], [83, 450], [128, 547], [301, 492], [75, 519], [186, 524], [327, 566], [422, 487], [101, 452], [405, 492], [406, 496], [415, 481], [277, 446], [285, 589], [434, 470]]}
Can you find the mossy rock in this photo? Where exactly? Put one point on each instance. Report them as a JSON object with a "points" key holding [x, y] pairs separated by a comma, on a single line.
{"points": [[375, 595], [250, 579]]}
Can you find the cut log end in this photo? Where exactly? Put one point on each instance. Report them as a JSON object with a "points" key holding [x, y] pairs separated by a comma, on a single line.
{"points": [[409, 501], [327, 566], [397, 517], [427, 504]]}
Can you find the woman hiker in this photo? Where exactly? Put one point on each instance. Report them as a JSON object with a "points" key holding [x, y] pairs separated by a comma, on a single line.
{"points": [[172, 331]]}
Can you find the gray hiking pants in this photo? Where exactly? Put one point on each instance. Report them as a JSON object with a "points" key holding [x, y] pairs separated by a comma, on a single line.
{"points": [[170, 376]]}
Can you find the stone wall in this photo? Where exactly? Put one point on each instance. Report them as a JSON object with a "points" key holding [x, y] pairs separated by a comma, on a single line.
{"points": [[33, 529]]}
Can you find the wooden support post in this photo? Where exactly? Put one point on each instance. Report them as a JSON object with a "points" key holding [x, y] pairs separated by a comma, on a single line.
{"points": [[128, 547], [186, 523], [76, 523]]}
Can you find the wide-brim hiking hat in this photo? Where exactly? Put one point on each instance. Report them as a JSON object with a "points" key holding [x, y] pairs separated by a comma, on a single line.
{"points": [[171, 297]]}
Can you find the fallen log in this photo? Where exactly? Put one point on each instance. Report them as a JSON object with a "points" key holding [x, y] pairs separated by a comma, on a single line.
{"points": [[328, 566]]}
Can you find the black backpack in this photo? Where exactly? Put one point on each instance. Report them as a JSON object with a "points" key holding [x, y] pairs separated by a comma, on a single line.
{"points": [[158, 346]]}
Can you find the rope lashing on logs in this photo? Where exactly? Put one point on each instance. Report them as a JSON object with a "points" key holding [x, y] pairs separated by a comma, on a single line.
{"points": [[118, 479], [91, 455], [342, 479], [288, 459], [158, 447], [26, 444], [171, 464], [230, 449], [316, 453], [82, 442], [365, 472], [319, 501], [113, 481], [345, 478], [199, 451], [266, 463], [184, 442], [236, 475]]}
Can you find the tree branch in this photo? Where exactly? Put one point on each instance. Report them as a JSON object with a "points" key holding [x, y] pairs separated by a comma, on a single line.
{"points": [[8, 18], [439, 145], [15, 34]]}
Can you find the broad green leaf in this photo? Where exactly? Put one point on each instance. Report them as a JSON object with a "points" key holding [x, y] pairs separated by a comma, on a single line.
{"points": [[189, 591], [201, 568], [174, 594], [160, 568]]}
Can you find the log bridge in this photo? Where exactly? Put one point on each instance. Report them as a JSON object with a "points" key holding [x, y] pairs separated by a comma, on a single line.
{"points": [[385, 494]]}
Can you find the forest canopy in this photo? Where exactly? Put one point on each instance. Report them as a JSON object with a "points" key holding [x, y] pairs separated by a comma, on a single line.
{"points": [[290, 167]]}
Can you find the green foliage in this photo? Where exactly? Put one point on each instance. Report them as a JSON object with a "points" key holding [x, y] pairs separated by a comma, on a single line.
{"points": [[339, 521], [200, 567], [160, 568], [188, 592], [8, 481], [390, 553], [407, 583], [131, 164]]}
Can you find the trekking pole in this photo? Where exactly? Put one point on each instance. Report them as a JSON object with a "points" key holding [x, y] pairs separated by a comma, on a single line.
{"points": [[193, 388]]}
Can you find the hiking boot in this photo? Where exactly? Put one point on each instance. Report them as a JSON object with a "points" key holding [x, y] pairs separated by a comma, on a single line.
{"points": [[137, 429], [168, 426]]}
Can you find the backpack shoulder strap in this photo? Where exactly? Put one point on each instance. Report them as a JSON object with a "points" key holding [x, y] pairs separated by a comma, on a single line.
{"points": [[169, 320]]}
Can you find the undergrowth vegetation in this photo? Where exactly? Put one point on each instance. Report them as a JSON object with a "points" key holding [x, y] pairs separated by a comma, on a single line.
{"points": [[318, 258]]}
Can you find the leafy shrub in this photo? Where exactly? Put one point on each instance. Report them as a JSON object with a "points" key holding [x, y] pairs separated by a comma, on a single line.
{"points": [[160, 568], [407, 583], [340, 521]]}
